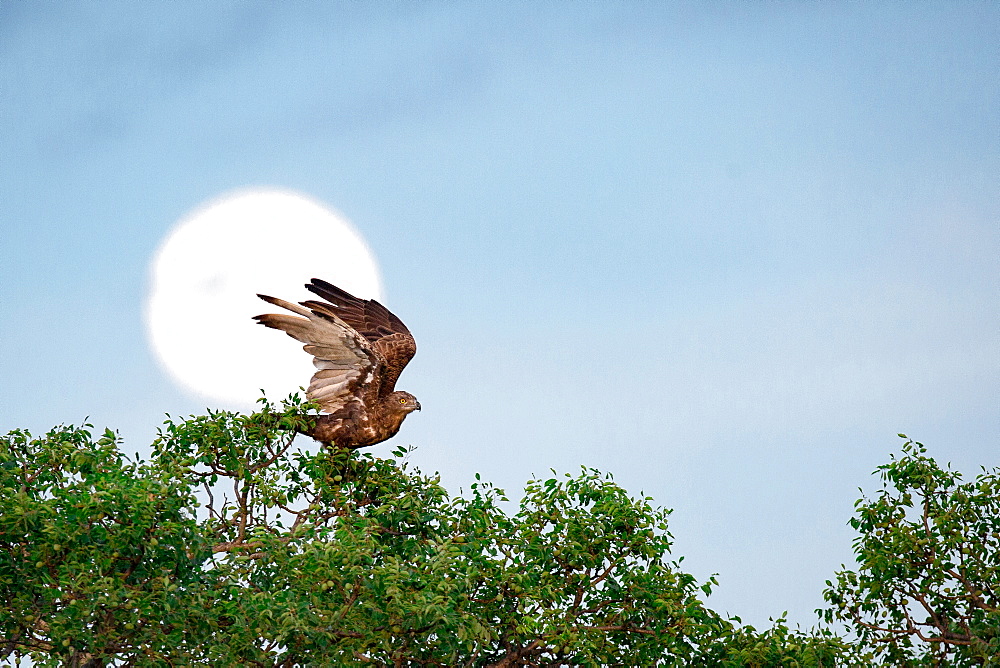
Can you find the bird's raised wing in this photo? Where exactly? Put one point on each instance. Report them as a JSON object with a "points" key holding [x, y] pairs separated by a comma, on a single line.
{"points": [[345, 361], [386, 333]]}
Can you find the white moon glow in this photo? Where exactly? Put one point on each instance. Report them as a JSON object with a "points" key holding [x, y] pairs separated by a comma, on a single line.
{"points": [[207, 272]]}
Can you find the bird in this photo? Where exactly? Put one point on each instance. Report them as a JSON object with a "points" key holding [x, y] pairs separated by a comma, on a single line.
{"points": [[359, 348]]}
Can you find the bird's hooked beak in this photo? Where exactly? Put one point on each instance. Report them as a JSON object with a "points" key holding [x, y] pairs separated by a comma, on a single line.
{"points": [[418, 406]]}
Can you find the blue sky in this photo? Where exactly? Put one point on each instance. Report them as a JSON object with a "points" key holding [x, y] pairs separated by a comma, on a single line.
{"points": [[725, 251]]}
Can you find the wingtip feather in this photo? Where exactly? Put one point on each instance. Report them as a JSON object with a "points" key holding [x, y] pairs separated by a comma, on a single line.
{"points": [[294, 308], [331, 292]]}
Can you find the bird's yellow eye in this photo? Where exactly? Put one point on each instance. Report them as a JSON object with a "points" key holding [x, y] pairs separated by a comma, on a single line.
{"points": [[402, 401]]}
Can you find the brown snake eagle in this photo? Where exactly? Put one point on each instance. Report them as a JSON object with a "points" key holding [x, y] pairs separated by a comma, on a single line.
{"points": [[359, 348]]}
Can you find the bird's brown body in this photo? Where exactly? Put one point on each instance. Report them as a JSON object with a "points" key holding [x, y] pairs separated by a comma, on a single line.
{"points": [[359, 349], [356, 426]]}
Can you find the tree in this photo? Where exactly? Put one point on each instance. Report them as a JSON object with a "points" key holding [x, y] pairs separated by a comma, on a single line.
{"points": [[231, 546], [780, 647], [927, 587]]}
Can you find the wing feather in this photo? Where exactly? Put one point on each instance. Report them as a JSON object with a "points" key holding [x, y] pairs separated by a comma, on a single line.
{"points": [[294, 308], [386, 333], [322, 393], [344, 358], [332, 365]]}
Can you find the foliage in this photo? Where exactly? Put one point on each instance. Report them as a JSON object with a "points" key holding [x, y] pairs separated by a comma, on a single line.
{"points": [[94, 555], [926, 588], [779, 646], [231, 546]]}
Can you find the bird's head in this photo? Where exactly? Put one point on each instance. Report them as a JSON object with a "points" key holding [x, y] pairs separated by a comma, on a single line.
{"points": [[403, 402]]}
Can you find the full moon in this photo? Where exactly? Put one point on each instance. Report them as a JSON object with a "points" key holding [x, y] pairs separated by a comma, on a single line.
{"points": [[204, 281]]}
